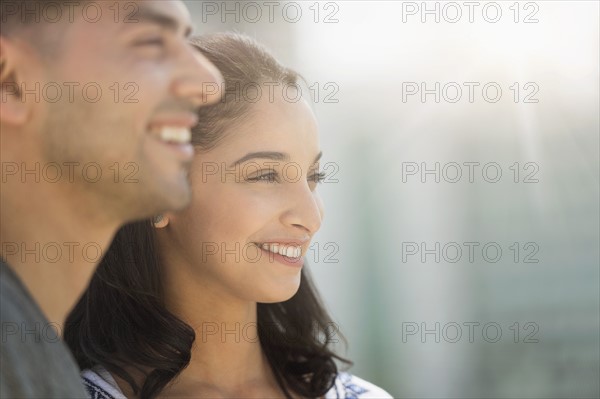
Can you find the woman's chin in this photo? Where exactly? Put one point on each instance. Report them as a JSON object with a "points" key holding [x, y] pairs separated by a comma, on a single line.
{"points": [[281, 295]]}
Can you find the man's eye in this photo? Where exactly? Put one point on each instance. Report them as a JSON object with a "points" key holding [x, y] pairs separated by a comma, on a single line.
{"points": [[156, 41]]}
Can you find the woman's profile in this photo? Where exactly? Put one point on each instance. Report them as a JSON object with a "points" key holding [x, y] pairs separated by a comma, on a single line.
{"points": [[215, 300]]}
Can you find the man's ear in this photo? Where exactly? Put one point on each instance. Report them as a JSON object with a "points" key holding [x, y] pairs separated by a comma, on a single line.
{"points": [[14, 109]]}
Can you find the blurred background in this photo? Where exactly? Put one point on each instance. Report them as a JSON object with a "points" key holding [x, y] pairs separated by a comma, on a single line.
{"points": [[460, 250]]}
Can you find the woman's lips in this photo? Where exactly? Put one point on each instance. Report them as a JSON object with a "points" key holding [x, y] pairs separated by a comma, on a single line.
{"points": [[268, 250]]}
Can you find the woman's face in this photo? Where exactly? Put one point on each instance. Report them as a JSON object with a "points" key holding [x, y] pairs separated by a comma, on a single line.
{"points": [[255, 206]]}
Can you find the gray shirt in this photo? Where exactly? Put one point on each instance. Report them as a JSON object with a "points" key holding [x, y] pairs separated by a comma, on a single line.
{"points": [[34, 361]]}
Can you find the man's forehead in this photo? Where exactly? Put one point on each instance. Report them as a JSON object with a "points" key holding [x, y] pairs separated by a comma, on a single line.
{"points": [[124, 15], [167, 10], [172, 14]]}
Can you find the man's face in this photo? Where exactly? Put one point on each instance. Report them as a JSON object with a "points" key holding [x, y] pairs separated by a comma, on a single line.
{"points": [[129, 84]]}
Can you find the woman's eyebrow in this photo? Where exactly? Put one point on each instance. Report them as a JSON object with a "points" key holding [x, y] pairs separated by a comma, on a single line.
{"points": [[319, 155], [273, 155]]}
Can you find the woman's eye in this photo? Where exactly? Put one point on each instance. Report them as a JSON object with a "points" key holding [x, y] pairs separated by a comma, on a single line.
{"points": [[318, 177], [270, 177]]}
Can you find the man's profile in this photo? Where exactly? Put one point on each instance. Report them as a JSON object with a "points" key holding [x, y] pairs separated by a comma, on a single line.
{"points": [[97, 99]]}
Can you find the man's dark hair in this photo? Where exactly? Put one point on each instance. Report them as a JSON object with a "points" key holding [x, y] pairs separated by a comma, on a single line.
{"points": [[18, 16]]}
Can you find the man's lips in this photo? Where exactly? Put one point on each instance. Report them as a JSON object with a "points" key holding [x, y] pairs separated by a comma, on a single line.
{"points": [[173, 127], [174, 130], [183, 119], [172, 134]]}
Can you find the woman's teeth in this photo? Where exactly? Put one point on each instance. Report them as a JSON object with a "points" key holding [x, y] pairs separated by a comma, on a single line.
{"points": [[290, 251], [174, 134]]}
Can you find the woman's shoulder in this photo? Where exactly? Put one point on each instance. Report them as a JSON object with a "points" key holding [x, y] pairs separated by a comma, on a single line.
{"points": [[100, 384], [348, 386]]}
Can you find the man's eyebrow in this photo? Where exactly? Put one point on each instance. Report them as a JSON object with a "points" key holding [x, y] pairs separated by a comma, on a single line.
{"points": [[273, 155], [148, 15]]}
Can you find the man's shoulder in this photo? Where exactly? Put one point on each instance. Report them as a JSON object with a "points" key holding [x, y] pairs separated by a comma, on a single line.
{"points": [[34, 362], [348, 386], [15, 302], [19, 313]]}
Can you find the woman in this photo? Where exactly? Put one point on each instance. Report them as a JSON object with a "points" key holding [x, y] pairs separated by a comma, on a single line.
{"points": [[214, 301]]}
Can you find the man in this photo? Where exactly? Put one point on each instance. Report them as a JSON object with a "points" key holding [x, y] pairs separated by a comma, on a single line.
{"points": [[97, 100]]}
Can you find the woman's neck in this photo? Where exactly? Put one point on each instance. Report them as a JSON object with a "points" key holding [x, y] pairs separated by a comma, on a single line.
{"points": [[227, 359]]}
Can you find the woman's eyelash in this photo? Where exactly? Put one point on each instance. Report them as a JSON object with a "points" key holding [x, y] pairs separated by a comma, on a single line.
{"points": [[271, 177], [318, 177], [268, 177]]}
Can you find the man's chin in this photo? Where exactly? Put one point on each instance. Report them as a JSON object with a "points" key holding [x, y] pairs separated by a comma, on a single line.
{"points": [[182, 201], [165, 198], [175, 197]]}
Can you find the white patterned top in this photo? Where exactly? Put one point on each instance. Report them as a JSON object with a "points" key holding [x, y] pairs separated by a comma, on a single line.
{"points": [[101, 385]]}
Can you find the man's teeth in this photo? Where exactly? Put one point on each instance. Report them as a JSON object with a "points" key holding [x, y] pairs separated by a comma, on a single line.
{"points": [[173, 134], [290, 251]]}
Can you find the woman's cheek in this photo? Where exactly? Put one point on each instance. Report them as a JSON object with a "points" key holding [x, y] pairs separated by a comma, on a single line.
{"points": [[320, 205]]}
